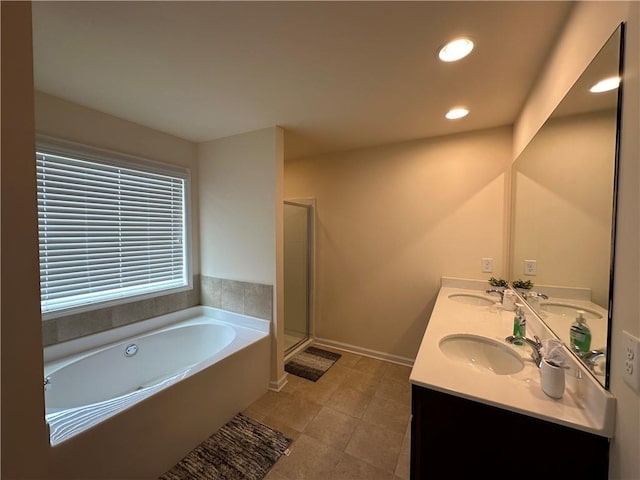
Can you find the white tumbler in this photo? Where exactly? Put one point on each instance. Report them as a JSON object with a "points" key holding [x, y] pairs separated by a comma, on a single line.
{"points": [[552, 379]]}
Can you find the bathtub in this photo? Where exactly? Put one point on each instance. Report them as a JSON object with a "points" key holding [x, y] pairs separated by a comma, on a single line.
{"points": [[96, 379]]}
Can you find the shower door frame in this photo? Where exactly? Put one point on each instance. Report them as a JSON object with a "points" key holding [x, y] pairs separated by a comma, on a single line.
{"points": [[310, 205]]}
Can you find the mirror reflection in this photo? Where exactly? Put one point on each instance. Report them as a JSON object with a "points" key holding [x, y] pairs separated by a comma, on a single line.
{"points": [[563, 211]]}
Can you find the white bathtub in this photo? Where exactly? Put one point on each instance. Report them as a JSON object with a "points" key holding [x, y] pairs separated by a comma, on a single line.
{"points": [[92, 379]]}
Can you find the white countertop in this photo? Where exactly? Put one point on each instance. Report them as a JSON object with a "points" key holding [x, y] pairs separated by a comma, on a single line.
{"points": [[585, 405]]}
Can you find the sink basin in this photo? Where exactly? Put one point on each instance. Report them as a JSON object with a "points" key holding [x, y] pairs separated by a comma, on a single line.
{"points": [[481, 353], [568, 310], [471, 299]]}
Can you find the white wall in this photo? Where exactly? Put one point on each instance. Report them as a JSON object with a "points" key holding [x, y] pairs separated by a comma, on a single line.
{"points": [[588, 28], [391, 221], [24, 441], [241, 215], [238, 209]]}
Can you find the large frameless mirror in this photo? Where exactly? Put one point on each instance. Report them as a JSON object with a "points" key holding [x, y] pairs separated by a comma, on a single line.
{"points": [[563, 217]]}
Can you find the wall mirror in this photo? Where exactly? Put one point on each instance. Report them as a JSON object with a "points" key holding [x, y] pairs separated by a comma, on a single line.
{"points": [[563, 210]]}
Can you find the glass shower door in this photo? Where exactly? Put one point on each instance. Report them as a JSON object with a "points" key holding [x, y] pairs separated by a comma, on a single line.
{"points": [[296, 273]]}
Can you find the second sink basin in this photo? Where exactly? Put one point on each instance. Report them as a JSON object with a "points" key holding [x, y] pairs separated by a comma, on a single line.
{"points": [[481, 353], [568, 310]]}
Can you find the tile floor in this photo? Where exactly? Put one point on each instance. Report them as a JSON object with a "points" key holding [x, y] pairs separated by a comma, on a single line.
{"points": [[353, 423]]}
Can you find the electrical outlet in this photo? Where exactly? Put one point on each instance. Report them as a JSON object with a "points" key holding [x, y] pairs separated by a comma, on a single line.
{"points": [[530, 267], [487, 265], [631, 372]]}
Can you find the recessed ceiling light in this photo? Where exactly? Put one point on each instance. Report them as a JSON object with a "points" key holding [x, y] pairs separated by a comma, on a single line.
{"points": [[605, 85], [455, 50], [456, 113]]}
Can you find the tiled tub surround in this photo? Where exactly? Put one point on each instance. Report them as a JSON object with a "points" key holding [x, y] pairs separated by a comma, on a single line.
{"points": [[78, 325], [585, 406], [254, 299]]}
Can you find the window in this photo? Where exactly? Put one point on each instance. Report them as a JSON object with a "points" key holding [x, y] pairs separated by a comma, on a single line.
{"points": [[110, 228]]}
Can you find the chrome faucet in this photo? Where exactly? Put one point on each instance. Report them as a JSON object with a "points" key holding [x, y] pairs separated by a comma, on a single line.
{"points": [[499, 292], [591, 357], [47, 383], [535, 345]]}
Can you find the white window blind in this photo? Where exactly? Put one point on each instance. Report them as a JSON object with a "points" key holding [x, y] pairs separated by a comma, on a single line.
{"points": [[107, 230]]}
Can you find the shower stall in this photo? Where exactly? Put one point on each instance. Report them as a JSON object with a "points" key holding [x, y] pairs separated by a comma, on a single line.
{"points": [[298, 272]]}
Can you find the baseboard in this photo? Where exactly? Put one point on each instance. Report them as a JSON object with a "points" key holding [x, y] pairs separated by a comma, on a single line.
{"points": [[408, 362], [278, 385]]}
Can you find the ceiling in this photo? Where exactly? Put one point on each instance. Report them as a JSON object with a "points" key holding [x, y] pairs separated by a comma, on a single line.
{"points": [[335, 75]]}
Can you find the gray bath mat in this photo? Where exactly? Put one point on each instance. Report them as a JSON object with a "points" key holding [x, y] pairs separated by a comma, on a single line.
{"points": [[311, 363], [243, 449]]}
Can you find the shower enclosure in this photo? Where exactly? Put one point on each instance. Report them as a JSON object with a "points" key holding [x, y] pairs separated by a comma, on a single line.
{"points": [[298, 272]]}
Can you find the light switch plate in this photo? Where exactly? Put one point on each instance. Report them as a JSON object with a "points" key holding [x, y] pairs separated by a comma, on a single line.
{"points": [[631, 367]]}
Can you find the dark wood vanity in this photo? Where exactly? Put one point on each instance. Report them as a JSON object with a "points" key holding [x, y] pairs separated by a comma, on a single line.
{"points": [[453, 437], [470, 419]]}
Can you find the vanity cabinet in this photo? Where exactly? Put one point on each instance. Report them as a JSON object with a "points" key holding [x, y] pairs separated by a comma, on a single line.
{"points": [[453, 437]]}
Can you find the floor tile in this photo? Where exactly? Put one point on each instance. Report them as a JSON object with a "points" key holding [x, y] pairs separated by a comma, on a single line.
{"points": [[255, 413], [363, 382], [294, 411], [392, 389], [351, 468], [265, 404], [371, 365], [353, 423], [318, 391], [349, 400], [397, 372], [284, 428], [309, 459], [294, 383], [335, 374], [274, 475], [376, 445], [388, 413], [332, 427]]}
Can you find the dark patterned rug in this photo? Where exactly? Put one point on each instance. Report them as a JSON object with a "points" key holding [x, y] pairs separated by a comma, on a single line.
{"points": [[243, 449], [311, 363]]}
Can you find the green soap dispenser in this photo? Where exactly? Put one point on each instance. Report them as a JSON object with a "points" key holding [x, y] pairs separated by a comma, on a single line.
{"points": [[519, 323], [580, 334]]}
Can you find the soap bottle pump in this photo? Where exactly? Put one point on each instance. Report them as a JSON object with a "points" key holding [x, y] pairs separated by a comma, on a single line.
{"points": [[580, 334], [519, 323]]}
